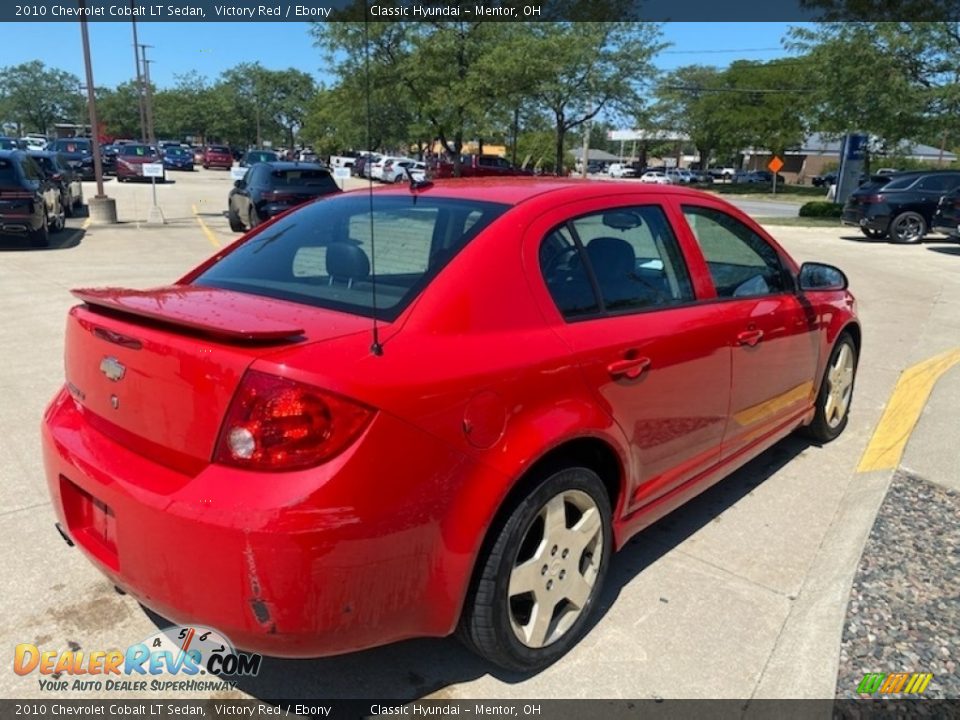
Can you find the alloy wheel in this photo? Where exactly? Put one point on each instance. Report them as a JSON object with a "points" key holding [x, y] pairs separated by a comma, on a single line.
{"points": [[840, 377], [556, 568]]}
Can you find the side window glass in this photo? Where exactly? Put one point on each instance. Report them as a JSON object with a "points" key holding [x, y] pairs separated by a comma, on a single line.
{"points": [[565, 274], [741, 263], [635, 258], [30, 170]]}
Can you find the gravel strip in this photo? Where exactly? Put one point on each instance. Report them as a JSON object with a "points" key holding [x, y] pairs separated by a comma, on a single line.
{"points": [[904, 608]]}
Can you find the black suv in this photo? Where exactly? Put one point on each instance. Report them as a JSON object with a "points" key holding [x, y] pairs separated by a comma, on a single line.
{"points": [[30, 202], [903, 207]]}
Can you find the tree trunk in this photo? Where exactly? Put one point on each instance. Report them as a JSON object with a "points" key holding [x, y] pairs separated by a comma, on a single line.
{"points": [[515, 130], [561, 134]]}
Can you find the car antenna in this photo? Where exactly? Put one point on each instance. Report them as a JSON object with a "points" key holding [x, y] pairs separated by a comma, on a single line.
{"points": [[416, 184], [376, 348]]}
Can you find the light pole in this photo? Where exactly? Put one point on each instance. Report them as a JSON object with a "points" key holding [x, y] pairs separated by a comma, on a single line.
{"points": [[149, 95], [102, 208], [136, 60]]}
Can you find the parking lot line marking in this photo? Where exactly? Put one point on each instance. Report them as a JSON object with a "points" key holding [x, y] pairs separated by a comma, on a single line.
{"points": [[206, 230], [909, 397]]}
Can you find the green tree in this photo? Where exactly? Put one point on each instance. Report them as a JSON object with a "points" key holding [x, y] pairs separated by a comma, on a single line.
{"points": [[34, 97], [118, 110], [892, 80], [583, 69]]}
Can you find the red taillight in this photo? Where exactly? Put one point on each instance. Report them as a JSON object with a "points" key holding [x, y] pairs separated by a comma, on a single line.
{"points": [[279, 424], [872, 199], [15, 195]]}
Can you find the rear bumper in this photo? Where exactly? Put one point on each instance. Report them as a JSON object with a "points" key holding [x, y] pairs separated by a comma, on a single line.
{"points": [[358, 552], [218, 163], [870, 221]]}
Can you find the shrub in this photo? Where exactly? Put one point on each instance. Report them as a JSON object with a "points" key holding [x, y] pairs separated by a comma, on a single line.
{"points": [[821, 209]]}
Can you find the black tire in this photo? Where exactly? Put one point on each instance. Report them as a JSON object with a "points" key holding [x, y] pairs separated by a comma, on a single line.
{"points": [[59, 220], [827, 425], [69, 207], [873, 234], [908, 228], [41, 238], [493, 620], [234, 219]]}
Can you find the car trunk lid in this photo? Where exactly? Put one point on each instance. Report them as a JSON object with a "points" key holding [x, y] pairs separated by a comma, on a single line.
{"points": [[156, 370]]}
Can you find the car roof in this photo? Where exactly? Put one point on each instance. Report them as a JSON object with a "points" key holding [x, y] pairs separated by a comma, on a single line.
{"points": [[294, 165], [516, 190], [7, 154]]}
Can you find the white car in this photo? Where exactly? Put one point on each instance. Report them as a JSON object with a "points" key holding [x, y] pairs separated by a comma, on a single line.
{"points": [[376, 170], [655, 177], [395, 170], [679, 177], [621, 170]]}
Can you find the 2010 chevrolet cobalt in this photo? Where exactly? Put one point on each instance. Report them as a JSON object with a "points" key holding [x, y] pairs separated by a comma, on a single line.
{"points": [[434, 408]]}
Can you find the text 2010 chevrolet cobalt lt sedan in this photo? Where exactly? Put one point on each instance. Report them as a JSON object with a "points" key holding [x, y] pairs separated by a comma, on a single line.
{"points": [[555, 365]]}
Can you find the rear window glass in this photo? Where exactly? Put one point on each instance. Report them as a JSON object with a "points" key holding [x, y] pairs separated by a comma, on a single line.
{"points": [[321, 254], [302, 177], [8, 173], [218, 149], [261, 157], [8, 144], [46, 163], [138, 151], [72, 146]]}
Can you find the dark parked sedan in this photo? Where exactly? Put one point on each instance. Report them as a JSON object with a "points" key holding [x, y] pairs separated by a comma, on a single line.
{"points": [[29, 200], [903, 208], [269, 189], [177, 158], [257, 156], [59, 171], [78, 152], [947, 218]]}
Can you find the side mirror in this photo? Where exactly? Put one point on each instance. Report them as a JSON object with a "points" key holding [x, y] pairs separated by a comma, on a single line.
{"points": [[238, 184], [820, 277]]}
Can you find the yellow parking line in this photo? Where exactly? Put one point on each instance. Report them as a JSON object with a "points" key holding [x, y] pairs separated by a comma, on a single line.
{"points": [[206, 230], [86, 223], [886, 447]]}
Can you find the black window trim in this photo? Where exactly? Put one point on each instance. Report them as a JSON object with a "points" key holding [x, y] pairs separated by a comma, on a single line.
{"points": [[602, 311]]}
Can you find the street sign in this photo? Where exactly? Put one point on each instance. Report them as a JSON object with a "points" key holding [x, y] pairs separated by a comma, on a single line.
{"points": [[341, 173], [775, 165], [153, 170]]}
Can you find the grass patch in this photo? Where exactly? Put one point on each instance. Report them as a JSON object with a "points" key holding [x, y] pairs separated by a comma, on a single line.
{"points": [[816, 222], [765, 190]]}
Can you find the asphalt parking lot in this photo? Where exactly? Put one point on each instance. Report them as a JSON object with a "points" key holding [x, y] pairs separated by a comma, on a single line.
{"points": [[741, 594]]}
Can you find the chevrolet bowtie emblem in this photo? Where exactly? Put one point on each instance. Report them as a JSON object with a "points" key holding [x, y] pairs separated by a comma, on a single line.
{"points": [[112, 368]]}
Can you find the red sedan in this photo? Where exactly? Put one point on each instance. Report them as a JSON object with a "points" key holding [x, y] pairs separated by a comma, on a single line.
{"points": [[132, 158], [217, 156], [545, 368]]}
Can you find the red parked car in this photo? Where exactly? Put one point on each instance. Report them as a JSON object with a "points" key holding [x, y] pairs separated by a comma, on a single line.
{"points": [[132, 158], [217, 156], [547, 368]]}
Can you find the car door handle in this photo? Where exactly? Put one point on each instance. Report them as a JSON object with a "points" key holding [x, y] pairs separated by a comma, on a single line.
{"points": [[630, 368], [750, 337]]}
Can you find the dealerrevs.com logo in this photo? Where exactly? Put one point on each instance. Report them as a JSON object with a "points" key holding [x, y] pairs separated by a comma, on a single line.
{"points": [[175, 659]]}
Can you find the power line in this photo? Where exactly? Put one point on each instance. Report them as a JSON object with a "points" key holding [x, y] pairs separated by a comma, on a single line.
{"points": [[717, 52]]}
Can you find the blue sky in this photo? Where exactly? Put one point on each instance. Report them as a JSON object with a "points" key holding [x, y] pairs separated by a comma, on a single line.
{"points": [[212, 47]]}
